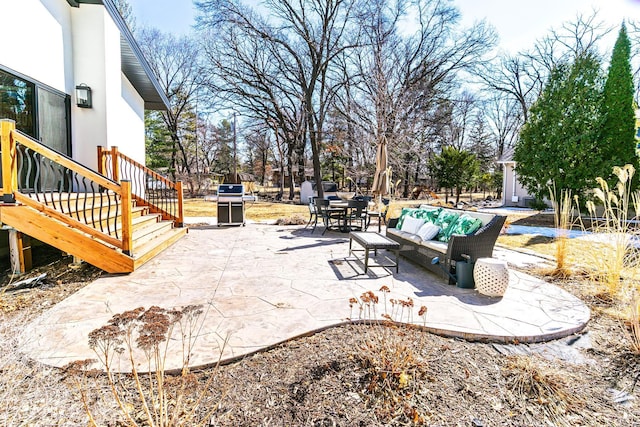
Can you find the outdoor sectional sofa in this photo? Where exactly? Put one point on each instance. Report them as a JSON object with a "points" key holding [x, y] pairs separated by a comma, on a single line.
{"points": [[429, 231]]}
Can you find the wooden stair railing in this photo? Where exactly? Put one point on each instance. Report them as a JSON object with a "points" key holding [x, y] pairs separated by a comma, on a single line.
{"points": [[148, 188], [46, 195], [51, 197], [55, 185]]}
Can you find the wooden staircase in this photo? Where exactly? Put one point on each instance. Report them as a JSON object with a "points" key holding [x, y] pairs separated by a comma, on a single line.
{"points": [[109, 224]]}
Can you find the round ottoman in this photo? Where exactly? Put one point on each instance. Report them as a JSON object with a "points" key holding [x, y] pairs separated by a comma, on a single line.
{"points": [[491, 276]]}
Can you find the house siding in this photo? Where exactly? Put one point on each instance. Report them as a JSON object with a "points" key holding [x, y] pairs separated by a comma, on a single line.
{"points": [[41, 54], [72, 46], [117, 116], [513, 194]]}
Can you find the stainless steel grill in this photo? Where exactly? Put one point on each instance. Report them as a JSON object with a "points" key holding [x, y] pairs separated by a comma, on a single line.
{"points": [[231, 204]]}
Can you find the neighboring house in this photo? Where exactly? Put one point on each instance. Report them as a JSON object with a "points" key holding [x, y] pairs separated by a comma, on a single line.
{"points": [[513, 193], [54, 52]]}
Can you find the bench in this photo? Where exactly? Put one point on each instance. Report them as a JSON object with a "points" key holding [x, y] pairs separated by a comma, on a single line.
{"points": [[477, 244]]}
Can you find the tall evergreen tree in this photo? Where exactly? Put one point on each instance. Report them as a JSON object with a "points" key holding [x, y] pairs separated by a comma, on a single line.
{"points": [[480, 144], [618, 131], [157, 142], [223, 148], [559, 142]]}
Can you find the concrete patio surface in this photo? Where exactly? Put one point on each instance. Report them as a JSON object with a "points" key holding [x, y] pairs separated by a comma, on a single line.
{"points": [[262, 284]]}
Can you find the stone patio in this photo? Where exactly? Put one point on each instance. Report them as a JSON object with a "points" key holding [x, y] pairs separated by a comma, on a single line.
{"points": [[262, 284]]}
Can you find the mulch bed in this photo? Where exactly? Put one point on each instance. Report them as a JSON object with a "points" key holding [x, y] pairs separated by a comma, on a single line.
{"points": [[370, 375]]}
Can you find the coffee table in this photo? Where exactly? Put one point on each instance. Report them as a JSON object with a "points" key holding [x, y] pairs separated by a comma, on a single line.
{"points": [[375, 241]]}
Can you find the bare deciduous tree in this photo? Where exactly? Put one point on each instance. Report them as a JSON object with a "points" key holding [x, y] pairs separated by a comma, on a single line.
{"points": [[175, 64], [402, 78], [275, 70]]}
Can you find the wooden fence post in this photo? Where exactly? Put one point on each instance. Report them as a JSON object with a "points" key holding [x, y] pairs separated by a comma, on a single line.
{"points": [[127, 232], [8, 147]]}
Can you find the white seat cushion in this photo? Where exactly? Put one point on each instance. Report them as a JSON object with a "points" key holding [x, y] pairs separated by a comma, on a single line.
{"points": [[403, 234], [435, 245]]}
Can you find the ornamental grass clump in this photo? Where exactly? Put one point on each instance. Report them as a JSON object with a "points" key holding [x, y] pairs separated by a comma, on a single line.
{"points": [[614, 258], [392, 366], [536, 382], [563, 219], [150, 397]]}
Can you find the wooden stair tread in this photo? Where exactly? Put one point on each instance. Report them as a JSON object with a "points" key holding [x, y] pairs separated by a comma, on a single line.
{"points": [[150, 229], [153, 247], [150, 236], [136, 213]]}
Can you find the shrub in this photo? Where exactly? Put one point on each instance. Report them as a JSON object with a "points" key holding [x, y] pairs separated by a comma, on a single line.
{"points": [[294, 219], [538, 204]]}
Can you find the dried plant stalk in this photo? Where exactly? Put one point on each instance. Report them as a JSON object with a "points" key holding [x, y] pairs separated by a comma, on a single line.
{"points": [[618, 254]]}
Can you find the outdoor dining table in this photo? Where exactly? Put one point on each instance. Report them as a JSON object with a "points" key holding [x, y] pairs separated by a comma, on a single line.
{"points": [[343, 209], [340, 208]]}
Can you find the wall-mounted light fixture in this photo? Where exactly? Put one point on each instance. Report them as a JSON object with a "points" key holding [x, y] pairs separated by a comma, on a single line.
{"points": [[83, 96]]}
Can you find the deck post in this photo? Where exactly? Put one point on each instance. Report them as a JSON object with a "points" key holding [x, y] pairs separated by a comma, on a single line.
{"points": [[19, 252], [115, 164], [180, 221], [102, 167], [127, 232], [9, 173]]}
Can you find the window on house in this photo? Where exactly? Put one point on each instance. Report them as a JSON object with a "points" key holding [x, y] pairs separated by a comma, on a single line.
{"points": [[40, 112], [17, 102]]}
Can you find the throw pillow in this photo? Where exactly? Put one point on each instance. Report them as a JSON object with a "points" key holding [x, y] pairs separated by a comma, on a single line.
{"points": [[411, 224], [419, 213], [428, 215], [445, 221], [466, 225], [405, 212], [428, 231], [432, 215]]}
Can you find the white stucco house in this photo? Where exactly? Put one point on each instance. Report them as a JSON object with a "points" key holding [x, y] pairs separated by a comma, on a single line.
{"points": [[74, 87], [51, 47]]}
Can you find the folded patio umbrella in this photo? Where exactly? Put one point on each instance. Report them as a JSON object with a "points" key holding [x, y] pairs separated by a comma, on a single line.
{"points": [[381, 177]]}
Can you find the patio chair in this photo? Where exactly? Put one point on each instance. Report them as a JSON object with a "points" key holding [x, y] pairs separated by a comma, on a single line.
{"points": [[313, 212], [381, 215], [329, 215], [357, 214]]}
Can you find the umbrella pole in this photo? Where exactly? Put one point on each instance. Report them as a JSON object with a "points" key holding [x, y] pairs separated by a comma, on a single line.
{"points": [[379, 206]]}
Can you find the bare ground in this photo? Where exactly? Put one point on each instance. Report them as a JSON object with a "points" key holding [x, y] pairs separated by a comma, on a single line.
{"points": [[357, 375]]}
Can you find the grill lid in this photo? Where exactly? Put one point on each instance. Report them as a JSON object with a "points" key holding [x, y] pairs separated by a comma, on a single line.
{"points": [[230, 189]]}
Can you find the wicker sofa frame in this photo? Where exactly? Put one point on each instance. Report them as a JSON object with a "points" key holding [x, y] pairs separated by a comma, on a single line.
{"points": [[477, 245]]}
